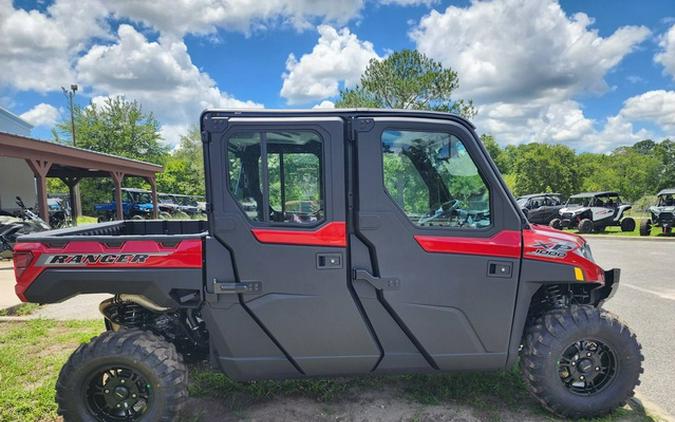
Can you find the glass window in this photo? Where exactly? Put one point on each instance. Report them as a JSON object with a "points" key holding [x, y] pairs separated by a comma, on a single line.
{"points": [[292, 188], [434, 180]]}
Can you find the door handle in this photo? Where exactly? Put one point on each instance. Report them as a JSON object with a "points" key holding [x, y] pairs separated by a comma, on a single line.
{"points": [[377, 282], [220, 287], [501, 269]]}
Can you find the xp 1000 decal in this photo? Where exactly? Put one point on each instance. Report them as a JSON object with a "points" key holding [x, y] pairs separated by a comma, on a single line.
{"points": [[551, 249]]}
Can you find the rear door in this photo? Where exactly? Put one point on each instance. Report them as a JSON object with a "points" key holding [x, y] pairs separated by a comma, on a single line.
{"points": [[437, 245], [277, 193]]}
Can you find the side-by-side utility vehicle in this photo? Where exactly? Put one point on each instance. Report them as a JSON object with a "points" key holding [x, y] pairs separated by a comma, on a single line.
{"points": [[593, 212], [661, 215], [338, 242], [541, 208]]}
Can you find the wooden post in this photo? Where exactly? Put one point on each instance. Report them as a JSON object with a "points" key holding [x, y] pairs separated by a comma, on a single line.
{"points": [[117, 177], [40, 169], [71, 182], [155, 204]]}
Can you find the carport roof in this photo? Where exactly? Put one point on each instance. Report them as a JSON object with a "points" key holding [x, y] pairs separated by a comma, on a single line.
{"points": [[71, 161]]}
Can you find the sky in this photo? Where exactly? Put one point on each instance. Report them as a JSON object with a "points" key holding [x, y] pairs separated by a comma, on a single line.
{"points": [[593, 75]]}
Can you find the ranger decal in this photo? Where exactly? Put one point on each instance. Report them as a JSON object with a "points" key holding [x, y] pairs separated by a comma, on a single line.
{"points": [[95, 259]]}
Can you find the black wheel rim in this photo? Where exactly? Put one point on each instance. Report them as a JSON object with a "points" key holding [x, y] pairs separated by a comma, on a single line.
{"points": [[118, 394], [587, 367]]}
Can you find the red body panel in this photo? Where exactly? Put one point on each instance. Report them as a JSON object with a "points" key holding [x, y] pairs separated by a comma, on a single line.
{"points": [[93, 254], [543, 238], [331, 234], [505, 244], [539, 243]]}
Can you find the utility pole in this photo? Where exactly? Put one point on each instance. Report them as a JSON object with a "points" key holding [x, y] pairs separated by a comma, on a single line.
{"points": [[74, 185]]}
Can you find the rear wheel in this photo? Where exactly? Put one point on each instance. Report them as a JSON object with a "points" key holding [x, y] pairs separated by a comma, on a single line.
{"points": [[164, 215], [627, 224], [645, 227], [127, 375], [581, 362], [585, 226], [556, 223]]}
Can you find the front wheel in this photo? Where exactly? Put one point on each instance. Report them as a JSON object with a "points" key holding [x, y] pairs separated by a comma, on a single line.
{"points": [[585, 226], [627, 224], [645, 227], [556, 223], [125, 375], [581, 362]]}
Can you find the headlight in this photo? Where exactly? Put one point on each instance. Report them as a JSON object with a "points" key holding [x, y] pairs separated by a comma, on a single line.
{"points": [[585, 251]]}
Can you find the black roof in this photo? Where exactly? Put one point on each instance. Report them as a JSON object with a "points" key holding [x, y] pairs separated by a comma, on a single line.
{"points": [[341, 112], [592, 194], [670, 191], [533, 195]]}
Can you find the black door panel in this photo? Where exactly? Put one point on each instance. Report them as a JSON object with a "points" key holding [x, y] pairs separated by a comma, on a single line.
{"points": [[449, 309], [306, 309]]}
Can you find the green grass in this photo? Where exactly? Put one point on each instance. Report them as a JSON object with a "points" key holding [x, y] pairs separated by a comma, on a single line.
{"points": [[32, 353], [85, 219], [21, 309]]}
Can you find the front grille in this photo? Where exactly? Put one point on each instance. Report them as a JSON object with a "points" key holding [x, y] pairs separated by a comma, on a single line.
{"points": [[567, 215], [666, 218]]}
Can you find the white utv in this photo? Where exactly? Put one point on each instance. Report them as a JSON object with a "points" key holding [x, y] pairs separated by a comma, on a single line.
{"points": [[593, 212], [661, 215]]}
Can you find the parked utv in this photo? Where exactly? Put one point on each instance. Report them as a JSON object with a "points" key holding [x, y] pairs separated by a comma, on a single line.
{"points": [[338, 242], [593, 212], [541, 208], [136, 204], [662, 214]]}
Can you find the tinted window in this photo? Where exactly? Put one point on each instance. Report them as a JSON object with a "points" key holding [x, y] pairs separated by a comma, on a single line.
{"points": [[434, 180], [292, 187]]}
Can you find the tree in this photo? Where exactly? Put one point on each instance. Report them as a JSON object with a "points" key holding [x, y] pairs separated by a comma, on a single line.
{"points": [[184, 169], [498, 155], [546, 168], [119, 127], [407, 79]]}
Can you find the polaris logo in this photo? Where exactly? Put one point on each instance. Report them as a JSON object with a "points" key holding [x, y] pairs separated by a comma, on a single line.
{"points": [[93, 259], [551, 249]]}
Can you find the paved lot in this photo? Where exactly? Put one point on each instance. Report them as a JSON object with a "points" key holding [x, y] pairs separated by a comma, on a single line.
{"points": [[7, 296], [646, 302]]}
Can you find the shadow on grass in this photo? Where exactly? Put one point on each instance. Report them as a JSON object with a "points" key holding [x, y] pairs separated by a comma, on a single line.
{"points": [[489, 394]]}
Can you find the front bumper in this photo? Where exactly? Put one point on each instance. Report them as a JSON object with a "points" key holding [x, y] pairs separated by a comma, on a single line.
{"points": [[604, 293]]}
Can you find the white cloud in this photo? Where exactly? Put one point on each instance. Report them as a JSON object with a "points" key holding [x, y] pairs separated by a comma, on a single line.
{"points": [[408, 2], [655, 106], [205, 16], [159, 74], [667, 56], [519, 49], [35, 47], [325, 104], [42, 115], [339, 57], [524, 63]]}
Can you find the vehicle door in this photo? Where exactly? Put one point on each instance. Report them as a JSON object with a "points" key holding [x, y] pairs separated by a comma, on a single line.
{"points": [[277, 192], [437, 244]]}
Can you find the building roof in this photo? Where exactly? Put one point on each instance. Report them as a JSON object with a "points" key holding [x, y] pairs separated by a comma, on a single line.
{"points": [[15, 119], [67, 160], [592, 194]]}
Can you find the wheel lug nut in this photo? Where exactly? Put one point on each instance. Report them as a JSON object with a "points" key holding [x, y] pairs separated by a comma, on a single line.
{"points": [[574, 363], [133, 396], [107, 391], [587, 354], [581, 377], [597, 368]]}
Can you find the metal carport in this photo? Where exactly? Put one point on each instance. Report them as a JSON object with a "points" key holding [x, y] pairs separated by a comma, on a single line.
{"points": [[48, 159]]}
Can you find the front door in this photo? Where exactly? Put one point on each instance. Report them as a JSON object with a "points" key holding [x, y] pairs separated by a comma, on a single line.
{"points": [[436, 247], [278, 196]]}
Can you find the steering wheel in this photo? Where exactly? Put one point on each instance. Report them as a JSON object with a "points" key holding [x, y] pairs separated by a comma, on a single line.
{"points": [[445, 211]]}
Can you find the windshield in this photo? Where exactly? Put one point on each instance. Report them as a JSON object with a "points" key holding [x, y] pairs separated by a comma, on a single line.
{"points": [[666, 201], [521, 201], [141, 197], [580, 201]]}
